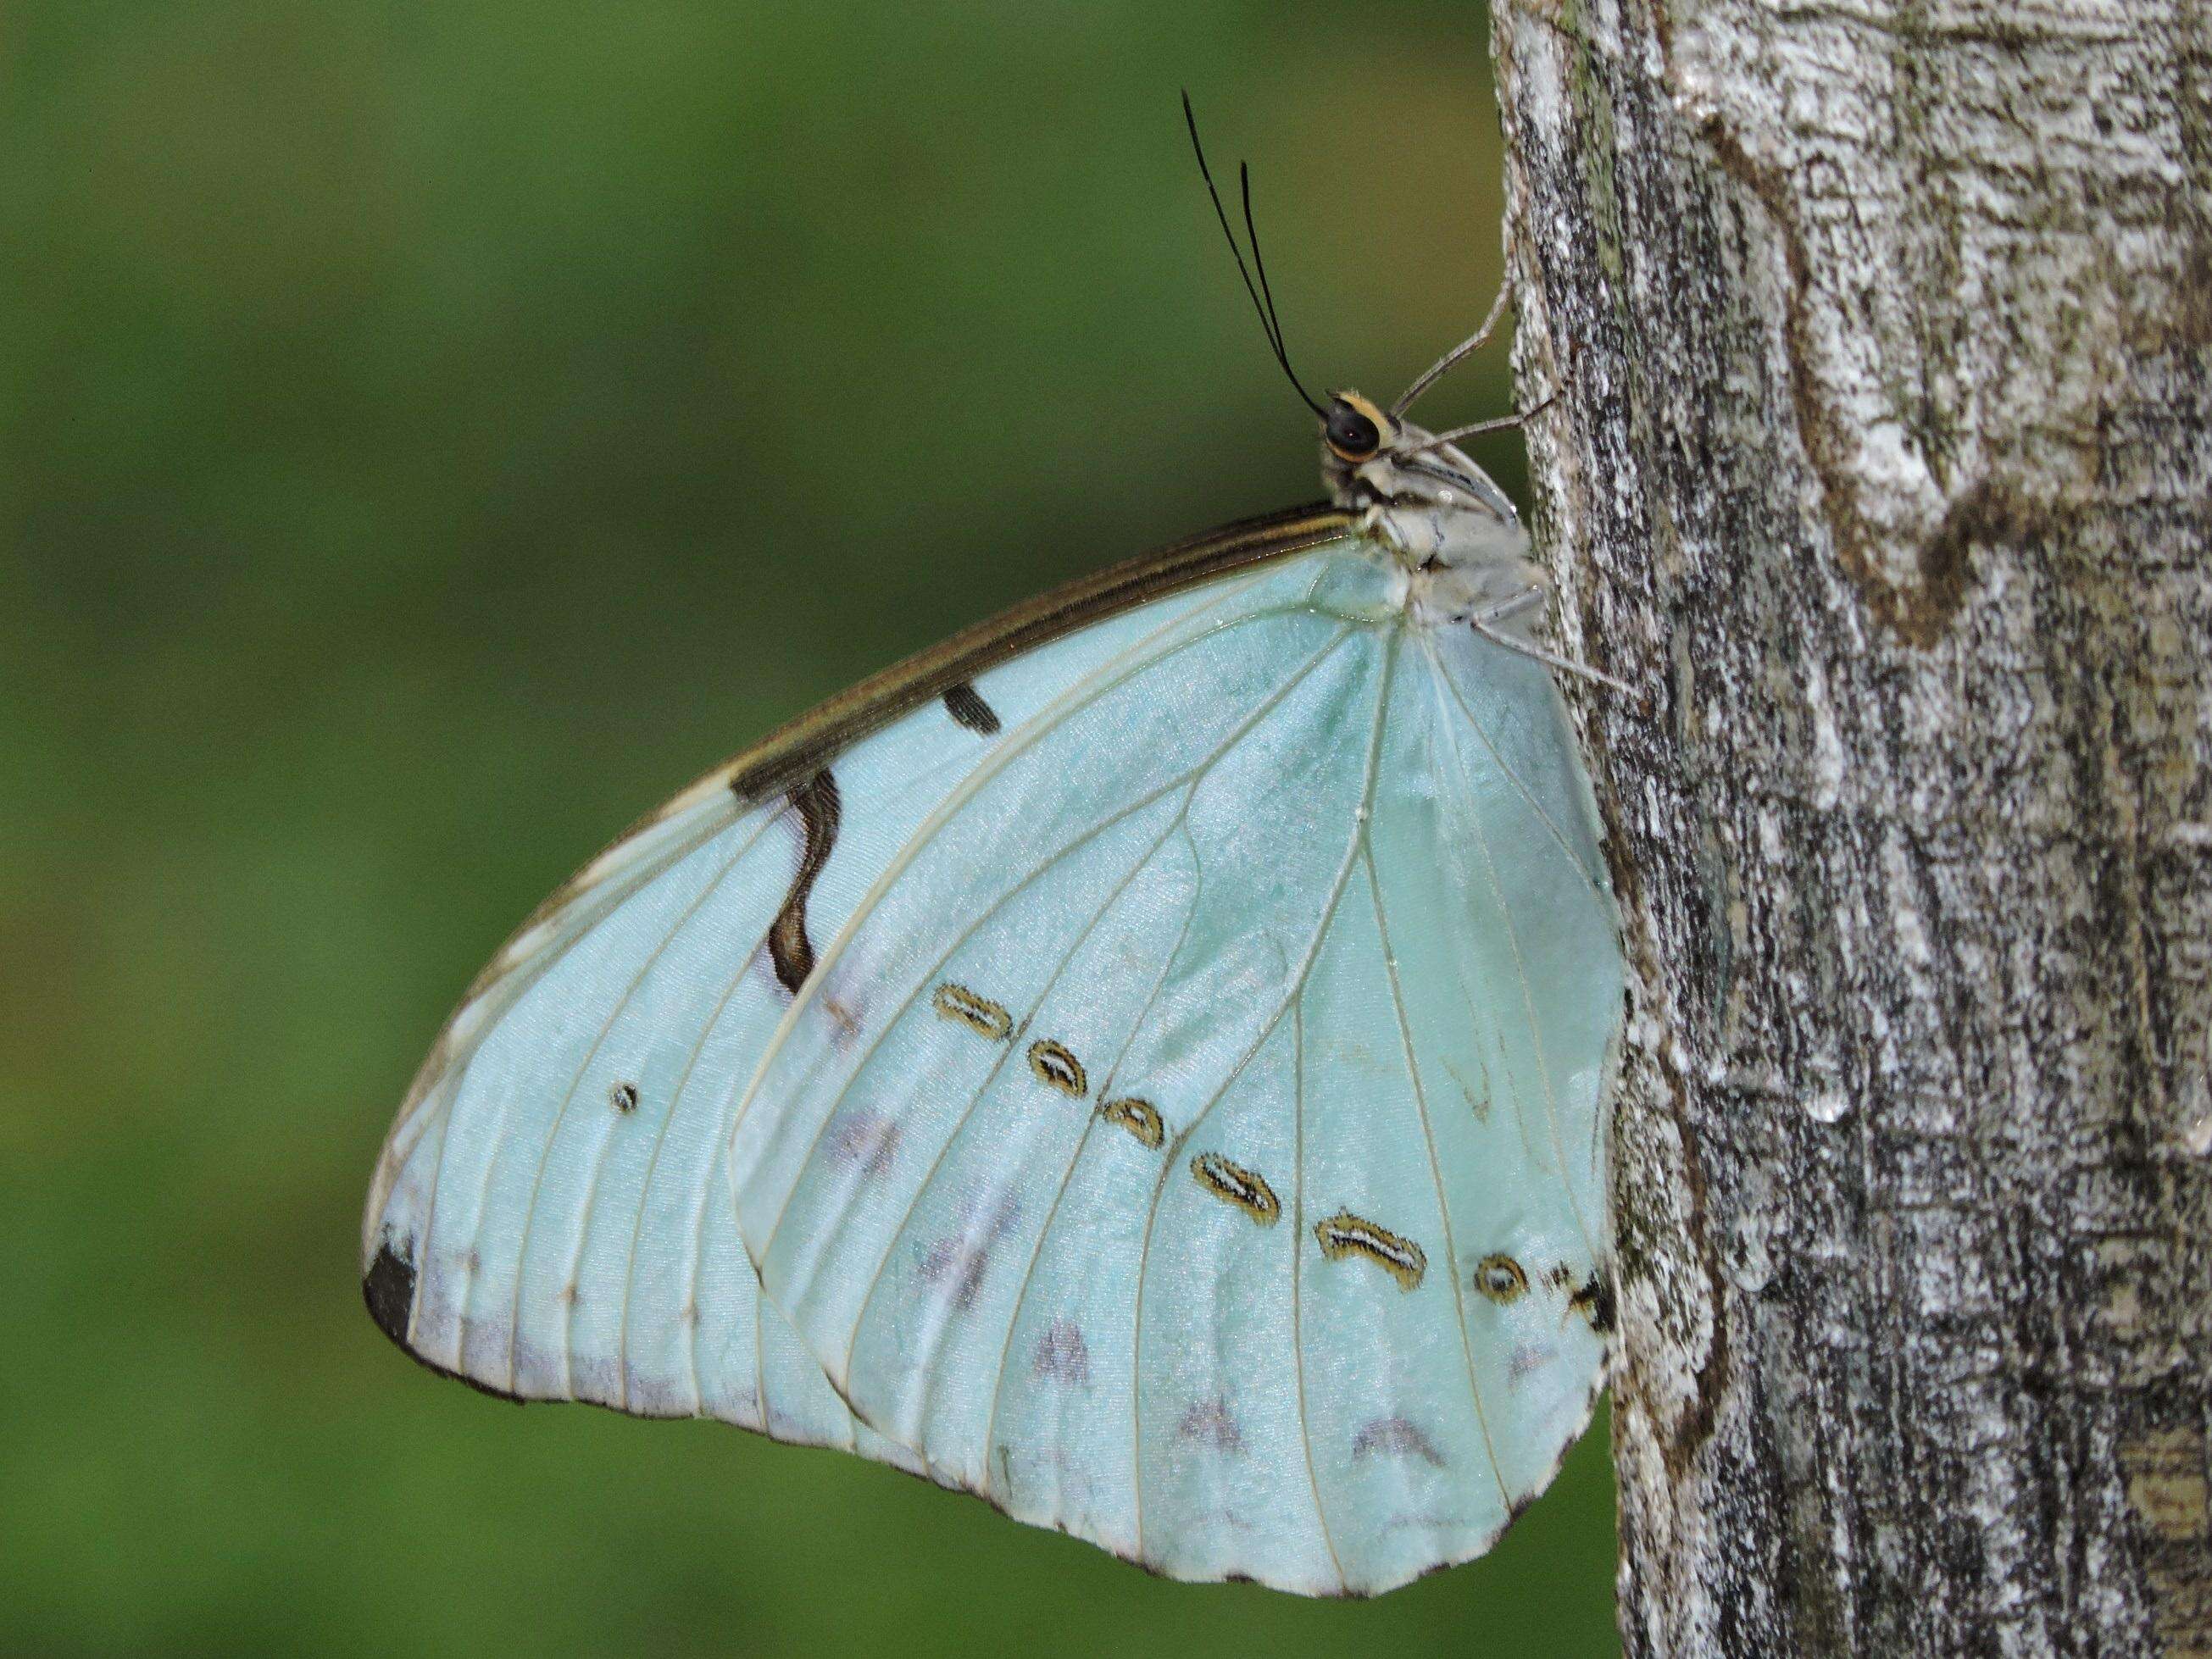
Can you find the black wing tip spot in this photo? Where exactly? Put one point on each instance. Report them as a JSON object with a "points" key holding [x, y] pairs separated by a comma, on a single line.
{"points": [[966, 705], [388, 1288]]}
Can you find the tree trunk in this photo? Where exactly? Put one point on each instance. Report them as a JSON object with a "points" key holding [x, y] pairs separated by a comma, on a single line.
{"points": [[1879, 464]]}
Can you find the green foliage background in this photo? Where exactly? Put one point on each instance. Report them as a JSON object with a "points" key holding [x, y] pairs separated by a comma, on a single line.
{"points": [[434, 432]]}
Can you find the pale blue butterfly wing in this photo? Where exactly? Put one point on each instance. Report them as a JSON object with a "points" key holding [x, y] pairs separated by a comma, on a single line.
{"points": [[550, 1218], [1231, 1043]]}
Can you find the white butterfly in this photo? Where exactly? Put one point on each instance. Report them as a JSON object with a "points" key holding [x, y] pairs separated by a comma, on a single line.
{"points": [[1150, 1046]]}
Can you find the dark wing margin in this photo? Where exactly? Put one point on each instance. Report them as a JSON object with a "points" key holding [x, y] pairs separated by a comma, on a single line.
{"points": [[794, 752], [388, 1287]]}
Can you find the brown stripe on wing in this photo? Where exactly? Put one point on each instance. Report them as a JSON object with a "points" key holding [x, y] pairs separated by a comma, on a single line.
{"points": [[820, 808]]}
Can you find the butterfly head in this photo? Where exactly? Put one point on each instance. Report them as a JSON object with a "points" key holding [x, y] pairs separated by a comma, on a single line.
{"points": [[1371, 459], [1373, 462], [1445, 525]]}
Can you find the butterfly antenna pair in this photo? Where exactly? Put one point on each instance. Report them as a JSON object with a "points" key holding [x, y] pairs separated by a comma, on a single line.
{"points": [[1263, 298]]}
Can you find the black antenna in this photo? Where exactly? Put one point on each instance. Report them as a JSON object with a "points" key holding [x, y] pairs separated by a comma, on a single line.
{"points": [[1252, 234], [1266, 307]]}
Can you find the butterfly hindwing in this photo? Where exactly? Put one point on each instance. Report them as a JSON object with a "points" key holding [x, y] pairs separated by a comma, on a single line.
{"points": [[1228, 1049]]}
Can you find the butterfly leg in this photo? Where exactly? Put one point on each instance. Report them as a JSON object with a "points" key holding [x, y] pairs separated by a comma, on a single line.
{"points": [[1486, 623], [1465, 349]]}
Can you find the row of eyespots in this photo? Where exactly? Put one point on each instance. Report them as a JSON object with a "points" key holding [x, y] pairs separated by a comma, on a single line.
{"points": [[1054, 1064], [1498, 1277], [1346, 1234], [1057, 1067]]}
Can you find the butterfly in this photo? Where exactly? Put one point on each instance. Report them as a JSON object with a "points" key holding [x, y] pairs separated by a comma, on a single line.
{"points": [[1138, 1062]]}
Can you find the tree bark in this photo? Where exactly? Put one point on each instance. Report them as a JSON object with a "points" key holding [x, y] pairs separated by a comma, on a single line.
{"points": [[1880, 333]]}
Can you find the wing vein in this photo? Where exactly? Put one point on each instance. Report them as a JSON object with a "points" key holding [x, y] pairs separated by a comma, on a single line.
{"points": [[653, 1165], [1297, 1281], [697, 1253], [423, 1270], [1497, 756], [760, 1359], [561, 1113], [509, 987]]}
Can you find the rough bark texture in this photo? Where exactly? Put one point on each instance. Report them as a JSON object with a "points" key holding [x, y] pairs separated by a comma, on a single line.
{"points": [[1881, 461]]}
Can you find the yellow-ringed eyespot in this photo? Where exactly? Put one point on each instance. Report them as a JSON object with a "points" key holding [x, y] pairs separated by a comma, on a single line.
{"points": [[1501, 1279]]}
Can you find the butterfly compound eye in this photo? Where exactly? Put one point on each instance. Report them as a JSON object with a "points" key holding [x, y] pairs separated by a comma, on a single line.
{"points": [[1353, 435]]}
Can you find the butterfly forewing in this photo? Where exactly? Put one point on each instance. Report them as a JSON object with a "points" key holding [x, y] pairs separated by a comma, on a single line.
{"points": [[550, 1218]]}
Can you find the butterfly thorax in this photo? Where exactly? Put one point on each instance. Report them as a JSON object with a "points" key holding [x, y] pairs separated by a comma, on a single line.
{"points": [[1448, 530]]}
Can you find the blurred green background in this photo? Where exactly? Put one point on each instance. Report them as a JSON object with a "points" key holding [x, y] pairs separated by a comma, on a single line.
{"points": [[434, 434]]}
